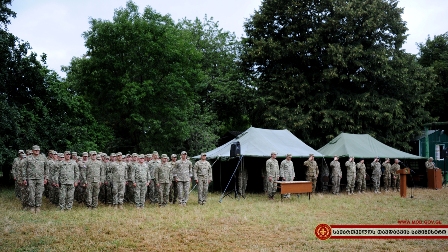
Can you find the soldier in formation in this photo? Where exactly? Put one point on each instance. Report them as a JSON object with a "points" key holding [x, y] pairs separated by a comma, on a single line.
{"points": [[361, 176], [141, 178], [336, 175], [351, 175], [395, 177], [152, 190], [95, 175], [163, 178], [182, 173], [287, 171], [272, 175], [386, 174], [35, 176], [376, 174], [312, 171], [173, 186], [66, 178], [202, 173], [119, 175]]}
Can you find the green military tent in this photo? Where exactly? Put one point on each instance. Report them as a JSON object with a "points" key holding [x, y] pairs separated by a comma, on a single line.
{"points": [[362, 146]]}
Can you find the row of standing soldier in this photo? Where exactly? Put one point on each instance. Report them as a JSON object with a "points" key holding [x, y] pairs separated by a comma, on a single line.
{"points": [[65, 179]]}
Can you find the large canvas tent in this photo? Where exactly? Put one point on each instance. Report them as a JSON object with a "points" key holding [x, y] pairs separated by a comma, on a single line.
{"points": [[362, 146], [256, 142]]}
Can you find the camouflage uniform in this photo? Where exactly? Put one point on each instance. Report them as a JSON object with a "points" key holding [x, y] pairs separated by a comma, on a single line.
{"points": [[129, 188], [386, 174], [108, 193], [95, 175], [35, 172], [141, 177], [361, 177], [173, 186], [66, 176], [395, 177], [163, 177], [120, 175], [287, 173], [183, 172], [272, 173], [23, 188], [80, 190], [53, 168], [312, 172], [351, 174], [336, 175], [376, 175], [152, 189], [202, 172], [14, 172]]}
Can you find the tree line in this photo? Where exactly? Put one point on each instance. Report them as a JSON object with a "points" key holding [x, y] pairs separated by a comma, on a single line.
{"points": [[147, 82]]}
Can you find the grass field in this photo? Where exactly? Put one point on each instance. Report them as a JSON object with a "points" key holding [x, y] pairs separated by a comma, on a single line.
{"points": [[251, 224]]}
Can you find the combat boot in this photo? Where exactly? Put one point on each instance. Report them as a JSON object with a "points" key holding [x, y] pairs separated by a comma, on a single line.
{"points": [[37, 209], [120, 207], [32, 210]]}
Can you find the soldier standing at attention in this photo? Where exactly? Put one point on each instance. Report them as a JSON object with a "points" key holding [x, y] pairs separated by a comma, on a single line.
{"points": [[119, 179], [141, 178], [287, 171], [202, 173], [163, 178], [272, 174], [351, 175], [53, 168], [386, 174], [336, 175], [361, 176], [66, 178], [395, 177], [152, 190], [376, 174], [80, 190], [15, 173], [182, 174], [173, 186], [95, 175], [35, 176], [312, 171]]}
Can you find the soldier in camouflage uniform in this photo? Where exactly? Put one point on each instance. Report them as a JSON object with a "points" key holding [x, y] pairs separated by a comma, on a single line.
{"points": [[35, 176], [102, 195], [395, 177], [361, 176], [108, 195], [66, 178], [202, 173], [141, 179], [173, 186], [15, 173], [80, 190], [272, 173], [120, 178], [182, 173], [336, 175], [23, 188], [53, 167], [163, 177], [376, 174], [386, 174], [312, 171], [287, 171], [351, 175], [152, 189], [95, 176]]}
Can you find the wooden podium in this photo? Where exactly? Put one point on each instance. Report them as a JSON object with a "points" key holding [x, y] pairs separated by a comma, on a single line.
{"points": [[403, 172], [434, 178]]}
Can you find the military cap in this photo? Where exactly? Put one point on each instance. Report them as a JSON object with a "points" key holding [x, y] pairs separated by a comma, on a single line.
{"points": [[74, 153], [113, 155], [107, 157], [103, 154], [274, 153], [93, 153], [155, 153], [29, 152], [22, 154], [54, 152], [21, 151], [174, 155], [134, 154], [289, 155], [60, 154], [141, 156], [203, 154], [98, 157], [66, 152], [311, 155], [119, 153], [336, 156], [164, 156], [387, 158], [128, 155], [79, 158], [35, 147], [183, 152], [84, 154]]}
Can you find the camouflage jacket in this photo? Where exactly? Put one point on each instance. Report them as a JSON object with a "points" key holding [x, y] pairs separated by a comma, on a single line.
{"points": [[183, 170], [53, 168], [287, 170], [140, 173], [82, 165], [202, 169], [393, 169], [68, 173], [162, 173], [120, 172], [15, 168], [94, 172], [34, 167], [351, 168], [272, 169], [152, 167], [376, 168], [173, 165], [387, 168], [360, 170], [429, 165], [336, 169], [312, 168]]}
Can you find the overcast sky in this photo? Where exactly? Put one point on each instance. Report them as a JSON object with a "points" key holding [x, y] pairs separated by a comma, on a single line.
{"points": [[55, 26]]}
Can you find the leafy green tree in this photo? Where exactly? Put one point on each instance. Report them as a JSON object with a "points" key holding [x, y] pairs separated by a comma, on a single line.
{"points": [[325, 67], [434, 53]]}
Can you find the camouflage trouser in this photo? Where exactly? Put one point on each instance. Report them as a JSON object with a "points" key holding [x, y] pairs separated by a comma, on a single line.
{"points": [[287, 195], [202, 189], [272, 188], [35, 191], [140, 194], [17, 188], [129, 193], [54, 195], [102, 194], [47, 188], [93, 190], [183, 190], [396, 182], [164, 189], [118, 192], [376, 179], [66, 195], [336, 180], [24, 195], [173, 192], [242, 183], [313, 181], [108, 193], [350, 183], [80, 194], [386, 182], [152, 192], [361, 183]]}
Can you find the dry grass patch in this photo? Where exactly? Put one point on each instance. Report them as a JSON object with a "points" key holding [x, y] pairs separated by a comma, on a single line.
{"points": [[251, 224]]}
